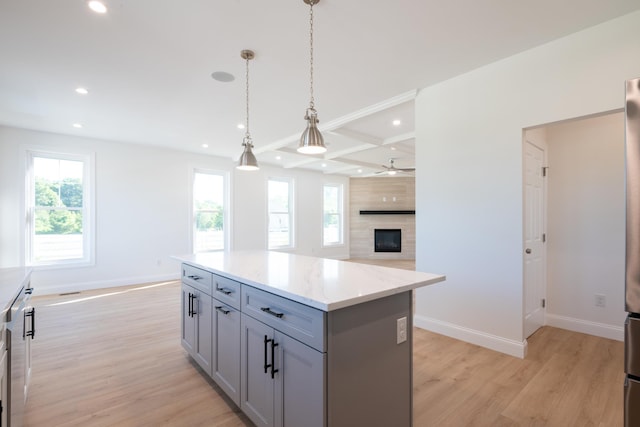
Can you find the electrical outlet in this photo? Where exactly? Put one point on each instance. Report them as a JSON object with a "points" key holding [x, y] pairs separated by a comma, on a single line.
{"points": [[401, 330], [600, 300]]}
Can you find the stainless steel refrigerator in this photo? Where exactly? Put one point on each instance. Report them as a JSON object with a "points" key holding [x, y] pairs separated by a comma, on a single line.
{"points": [[632, 276]]}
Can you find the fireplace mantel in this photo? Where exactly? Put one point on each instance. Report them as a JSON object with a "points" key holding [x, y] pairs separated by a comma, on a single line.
{"points": [[388, 212]]}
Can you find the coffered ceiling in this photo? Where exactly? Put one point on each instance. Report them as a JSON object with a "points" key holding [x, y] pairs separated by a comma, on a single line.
{"points": [[147, 65]]}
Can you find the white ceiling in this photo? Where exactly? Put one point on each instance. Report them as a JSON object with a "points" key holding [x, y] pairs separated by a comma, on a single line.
{"points": [[148, 65]]}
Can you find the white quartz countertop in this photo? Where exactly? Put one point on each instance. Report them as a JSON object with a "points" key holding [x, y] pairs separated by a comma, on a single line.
{"points": [[12, 280], [326, 284]]}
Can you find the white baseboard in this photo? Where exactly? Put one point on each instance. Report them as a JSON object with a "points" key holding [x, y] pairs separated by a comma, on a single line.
{"points": [[492, 342], [86, 286], [586, 327]]}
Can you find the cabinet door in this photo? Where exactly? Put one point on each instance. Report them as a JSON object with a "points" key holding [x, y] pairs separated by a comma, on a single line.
{"points": [[299, 384], [256, 382], [225, 363], [196, 326], [202, 348], [188, 322]]}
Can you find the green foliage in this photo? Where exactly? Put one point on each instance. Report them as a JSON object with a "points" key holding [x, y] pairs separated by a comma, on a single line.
{"points": [[71, 192], [46, 193], [208, 216], [330, 219], [43, 224], [67, 193]]}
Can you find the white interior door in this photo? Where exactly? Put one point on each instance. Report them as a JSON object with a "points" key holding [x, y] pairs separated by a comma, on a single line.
{"points": [[534, 251]]}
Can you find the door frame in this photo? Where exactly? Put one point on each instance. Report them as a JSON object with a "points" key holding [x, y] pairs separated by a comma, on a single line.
{"points": [[538, 140]]}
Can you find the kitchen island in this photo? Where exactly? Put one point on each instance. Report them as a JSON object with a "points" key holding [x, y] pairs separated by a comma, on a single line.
{"points": [[302, 341]]}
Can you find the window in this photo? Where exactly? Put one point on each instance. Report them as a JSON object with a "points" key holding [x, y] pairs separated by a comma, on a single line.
{"points": [[332, 210], [209, 233], [59, 210], [280, 200]]}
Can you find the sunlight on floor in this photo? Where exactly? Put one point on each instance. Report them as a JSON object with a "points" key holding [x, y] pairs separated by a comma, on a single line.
{"points": [[140, 288]]}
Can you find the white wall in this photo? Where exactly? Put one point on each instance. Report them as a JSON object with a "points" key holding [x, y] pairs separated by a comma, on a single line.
{"points": [[586, 225], [469, 172], [250, 210], [143, 209]]}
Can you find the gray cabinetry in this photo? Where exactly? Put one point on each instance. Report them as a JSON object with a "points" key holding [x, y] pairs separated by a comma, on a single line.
{"points": [[282, 379], [288, 364], [211, 326], [257, 384], [283, 361], [196, 325], [299, 397], [225, 364]]}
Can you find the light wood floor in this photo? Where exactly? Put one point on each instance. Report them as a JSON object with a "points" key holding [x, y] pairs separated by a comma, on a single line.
{"points": [[113, 358]]}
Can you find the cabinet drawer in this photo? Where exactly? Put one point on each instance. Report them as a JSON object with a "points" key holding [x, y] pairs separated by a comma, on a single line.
{"points": [[197, 277], [227, 291], [304, 323]]}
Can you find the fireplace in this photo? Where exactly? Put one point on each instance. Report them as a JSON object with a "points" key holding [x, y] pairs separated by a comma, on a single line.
{"points": [[387, 240]]}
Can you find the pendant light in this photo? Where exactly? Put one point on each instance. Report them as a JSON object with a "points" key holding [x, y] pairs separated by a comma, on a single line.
{"points": [[247, 160], [311, 141]]}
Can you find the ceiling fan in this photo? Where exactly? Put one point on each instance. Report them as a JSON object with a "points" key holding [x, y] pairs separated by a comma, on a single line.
{"points": [[392, 170]]}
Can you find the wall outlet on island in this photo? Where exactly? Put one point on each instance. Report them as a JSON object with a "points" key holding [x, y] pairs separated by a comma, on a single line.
{"points": [[600, 300], [401, 330]]}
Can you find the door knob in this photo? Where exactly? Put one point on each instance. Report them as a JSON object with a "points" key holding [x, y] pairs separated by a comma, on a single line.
{"points": [[528, 250]]}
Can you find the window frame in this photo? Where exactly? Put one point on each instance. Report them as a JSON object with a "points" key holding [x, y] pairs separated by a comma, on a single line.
{"points": [[291, 213], [226, 223], [88, 209], [339, 213]]}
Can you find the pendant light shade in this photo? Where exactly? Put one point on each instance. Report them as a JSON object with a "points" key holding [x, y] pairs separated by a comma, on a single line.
{"points": [[248, 161], [311, 141]]}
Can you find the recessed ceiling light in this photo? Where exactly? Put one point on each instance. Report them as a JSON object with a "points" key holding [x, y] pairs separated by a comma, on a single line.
{"points": [[82, 91], [222, 76], [397, 122], [77, 125], [240, 126], [278, 157], [359, 170], [205, 145], [393, 148], [324, 165], [97, 6]]}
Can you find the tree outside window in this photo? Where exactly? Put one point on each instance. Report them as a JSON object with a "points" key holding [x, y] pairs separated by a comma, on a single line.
{"points": [[208, 212], [280, 213], [332, 215], [57, 226]]}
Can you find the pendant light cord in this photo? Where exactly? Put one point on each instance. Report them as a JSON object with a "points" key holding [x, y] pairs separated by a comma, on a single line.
{"points": [[247, 134], [311, 101]]}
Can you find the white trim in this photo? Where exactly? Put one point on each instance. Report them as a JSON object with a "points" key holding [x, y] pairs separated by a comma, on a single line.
{"points": [[293, 209], [492, 342], [340, 213], [100, 284], [586, 327], [341, 121], [226, 203], [88, 206]]}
